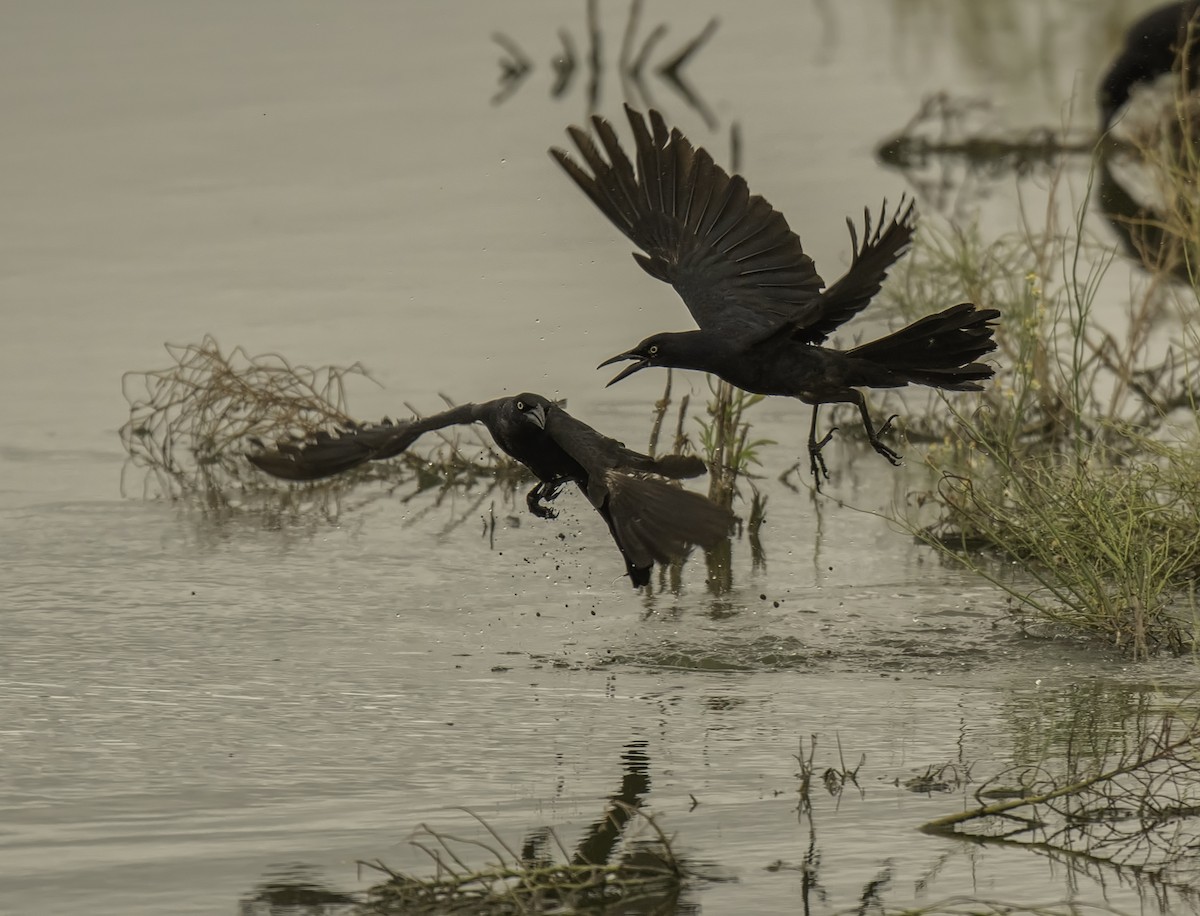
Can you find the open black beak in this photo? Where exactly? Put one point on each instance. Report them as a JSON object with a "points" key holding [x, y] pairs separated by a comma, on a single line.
{"points": [[641, 363], [538, 416]]}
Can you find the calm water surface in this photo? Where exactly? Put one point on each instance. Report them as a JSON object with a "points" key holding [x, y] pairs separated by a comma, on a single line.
{"points": [[190, 706]]}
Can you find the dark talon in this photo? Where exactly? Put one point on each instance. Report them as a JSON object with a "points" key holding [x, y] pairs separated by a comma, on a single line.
{"points": [[816, 461], [542, 491], [825, 441], [817, 467]]}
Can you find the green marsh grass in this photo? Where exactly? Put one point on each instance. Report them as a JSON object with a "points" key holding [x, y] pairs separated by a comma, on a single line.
{"points": [[1072, 482]]}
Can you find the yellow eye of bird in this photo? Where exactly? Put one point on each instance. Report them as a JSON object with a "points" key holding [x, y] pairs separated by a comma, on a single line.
{"points": [[520, 405], [653, 349]]}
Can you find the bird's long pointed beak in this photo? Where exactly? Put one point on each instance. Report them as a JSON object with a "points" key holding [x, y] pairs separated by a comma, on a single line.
{"points": [[641, 363], [538, 415]]}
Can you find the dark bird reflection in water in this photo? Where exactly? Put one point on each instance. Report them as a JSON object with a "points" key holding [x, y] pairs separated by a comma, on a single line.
{"points": [[762, 308], [295, 890], [1153, 46], [649, 519], [603, 837]]}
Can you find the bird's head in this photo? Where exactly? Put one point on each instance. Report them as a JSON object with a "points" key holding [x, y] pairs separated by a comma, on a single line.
{"points": [[531, 408], [653, 351]]}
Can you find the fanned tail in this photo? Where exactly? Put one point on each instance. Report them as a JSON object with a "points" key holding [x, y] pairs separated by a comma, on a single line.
{"points": [[939, 350], [652, 520]]}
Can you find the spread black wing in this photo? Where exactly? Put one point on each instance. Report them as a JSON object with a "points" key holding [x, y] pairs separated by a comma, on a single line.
{"points": [[326, 454], [650, 519], [730, 255], [880, 249], [598, 454]]}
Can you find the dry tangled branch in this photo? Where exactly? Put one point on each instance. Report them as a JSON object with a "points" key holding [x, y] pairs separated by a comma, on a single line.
{"points": [[1136, 815], [188, 423], [191, 423]]}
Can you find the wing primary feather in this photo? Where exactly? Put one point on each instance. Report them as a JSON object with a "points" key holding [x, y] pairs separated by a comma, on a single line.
{"points": [[683, 176], [664, 161], [621, 168], [734, 213], [615, 214], [727, 210], [702, 181], [642, 144]]}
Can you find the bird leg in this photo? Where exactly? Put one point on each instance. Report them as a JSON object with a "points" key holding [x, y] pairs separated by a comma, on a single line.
{"points": [[873, 434], [816, 462], [543, 491]]}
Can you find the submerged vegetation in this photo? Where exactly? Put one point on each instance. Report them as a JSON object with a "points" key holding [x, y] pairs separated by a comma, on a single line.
{"points": [[191, 423], [1130, 810], [637, 874]]}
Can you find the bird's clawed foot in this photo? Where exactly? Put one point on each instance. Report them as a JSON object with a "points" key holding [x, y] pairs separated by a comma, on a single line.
{"points": [[542, 492], [890, 454], [816, 461]]}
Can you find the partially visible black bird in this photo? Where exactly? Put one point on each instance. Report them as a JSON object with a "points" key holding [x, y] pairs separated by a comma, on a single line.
{"points": [[1152, 48], [755, 294], [649, 519]]}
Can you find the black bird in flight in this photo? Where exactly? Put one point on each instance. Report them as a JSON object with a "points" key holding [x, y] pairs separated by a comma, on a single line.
{"points": [[649, 519], [761, 307]]}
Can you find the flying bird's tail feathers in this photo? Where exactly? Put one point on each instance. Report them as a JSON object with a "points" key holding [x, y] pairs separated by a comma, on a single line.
{"points": [[652, 520], [940, 350]]}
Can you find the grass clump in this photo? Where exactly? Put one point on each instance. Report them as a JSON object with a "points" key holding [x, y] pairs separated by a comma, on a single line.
{"points": [[729, 451], [1078, 464], [189, 422]]}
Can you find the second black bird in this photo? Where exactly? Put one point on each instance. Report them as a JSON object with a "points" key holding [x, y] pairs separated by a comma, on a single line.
{"points": [[756, 296], [649, 519]]}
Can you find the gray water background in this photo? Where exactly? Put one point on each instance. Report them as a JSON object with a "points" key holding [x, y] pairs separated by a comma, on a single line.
{"points": [[189, 705]]}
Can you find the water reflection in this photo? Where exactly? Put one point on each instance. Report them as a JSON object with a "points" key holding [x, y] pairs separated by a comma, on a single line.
{"points": [[1156, 44], [1030, 48], [1109, 797], [958, 168], [611, 865], [631, 65], [953, 152], [295, 890]]}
